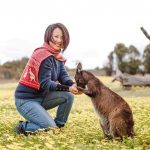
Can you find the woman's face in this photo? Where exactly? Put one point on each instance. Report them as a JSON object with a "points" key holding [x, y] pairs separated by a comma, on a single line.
{"points": [[56, 39]]}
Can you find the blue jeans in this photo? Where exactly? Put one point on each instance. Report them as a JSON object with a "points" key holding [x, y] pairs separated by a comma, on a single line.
{"points": [[34, 110]]}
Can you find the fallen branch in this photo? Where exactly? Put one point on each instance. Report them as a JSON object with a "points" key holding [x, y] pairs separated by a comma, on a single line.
{"points": [[128, 81], [145, 33]]}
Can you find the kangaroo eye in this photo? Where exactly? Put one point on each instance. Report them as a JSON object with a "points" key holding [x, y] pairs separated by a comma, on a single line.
{"points": [[80, 80]]}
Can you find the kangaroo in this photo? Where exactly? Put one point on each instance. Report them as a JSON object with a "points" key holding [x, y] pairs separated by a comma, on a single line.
{"points": [[116, 118], [32, 76]]}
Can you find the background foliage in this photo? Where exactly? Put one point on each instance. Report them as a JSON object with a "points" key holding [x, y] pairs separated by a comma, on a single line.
{"points": [[127, 59]]}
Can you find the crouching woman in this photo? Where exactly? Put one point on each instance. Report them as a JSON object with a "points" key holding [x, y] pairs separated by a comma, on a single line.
{"points": [[45, 84]]}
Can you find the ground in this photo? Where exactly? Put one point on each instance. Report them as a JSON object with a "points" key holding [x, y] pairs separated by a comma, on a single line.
{"points": [[82, 130]]}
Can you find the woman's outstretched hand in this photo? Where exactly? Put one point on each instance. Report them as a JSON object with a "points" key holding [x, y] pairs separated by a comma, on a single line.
{"points": [[73, 89]]}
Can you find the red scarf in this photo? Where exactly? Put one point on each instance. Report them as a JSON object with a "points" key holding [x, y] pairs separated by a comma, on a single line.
{"points": [[55, 53], [30, 74]]}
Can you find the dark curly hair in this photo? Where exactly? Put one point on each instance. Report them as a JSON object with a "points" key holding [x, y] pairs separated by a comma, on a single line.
{"points": [[49, 30]]}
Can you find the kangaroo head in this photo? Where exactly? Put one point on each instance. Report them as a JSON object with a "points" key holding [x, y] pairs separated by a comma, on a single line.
{"points": [[79, 78]]}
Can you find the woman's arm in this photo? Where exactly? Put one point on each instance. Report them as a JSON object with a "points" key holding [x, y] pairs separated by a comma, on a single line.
{"points": [[64, 78], [45, 75], [45, 78]]}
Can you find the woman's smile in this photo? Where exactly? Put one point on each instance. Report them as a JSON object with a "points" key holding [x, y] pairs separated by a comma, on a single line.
{"points": [[56, 41]]}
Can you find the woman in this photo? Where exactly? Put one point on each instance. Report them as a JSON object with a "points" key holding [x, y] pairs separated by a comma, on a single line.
{"points": [[45, 84]]}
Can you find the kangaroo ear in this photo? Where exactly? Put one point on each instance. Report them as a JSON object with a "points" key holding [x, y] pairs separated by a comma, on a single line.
{"points": [[79, 68]]}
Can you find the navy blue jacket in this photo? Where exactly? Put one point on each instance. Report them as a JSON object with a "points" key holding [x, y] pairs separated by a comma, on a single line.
{"points": [[51, 70]]}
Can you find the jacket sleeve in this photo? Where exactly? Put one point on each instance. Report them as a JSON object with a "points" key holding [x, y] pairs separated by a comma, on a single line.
{"points": [[45, 79], [45, 76], [64, 78]]}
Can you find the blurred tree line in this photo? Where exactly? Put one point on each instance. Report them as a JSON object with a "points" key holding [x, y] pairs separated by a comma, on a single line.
{"points": [[12, 69], [127, 59]]}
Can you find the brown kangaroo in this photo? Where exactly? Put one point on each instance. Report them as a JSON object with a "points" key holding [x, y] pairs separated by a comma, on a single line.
{"points": [[115, 115]]}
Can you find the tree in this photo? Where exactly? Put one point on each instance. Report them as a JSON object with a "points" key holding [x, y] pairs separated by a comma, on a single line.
{"points": [[146, 57], [133, 53], [127, 58], [133, 62], [13, 69], [108, 67], [120, 50]]}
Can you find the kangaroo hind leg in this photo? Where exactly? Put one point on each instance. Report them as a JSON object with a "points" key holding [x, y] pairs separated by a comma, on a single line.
{"points": [[118, 128]]}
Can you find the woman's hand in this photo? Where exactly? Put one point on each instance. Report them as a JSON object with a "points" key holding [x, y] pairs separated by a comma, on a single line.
{"points": [[57, 82], [73, 89]]}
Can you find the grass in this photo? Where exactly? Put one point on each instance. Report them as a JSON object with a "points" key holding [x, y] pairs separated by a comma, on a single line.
{"points": [[82, 130]]}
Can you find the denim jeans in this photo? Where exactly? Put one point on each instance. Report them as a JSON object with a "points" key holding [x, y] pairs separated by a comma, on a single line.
{"points": [[34, 110]]}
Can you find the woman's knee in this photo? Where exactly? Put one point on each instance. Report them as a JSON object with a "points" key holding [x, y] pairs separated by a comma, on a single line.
{"points": [[70, 97], [48, 123]]}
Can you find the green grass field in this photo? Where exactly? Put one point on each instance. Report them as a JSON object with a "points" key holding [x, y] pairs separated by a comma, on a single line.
{"points": [[82, 130]]}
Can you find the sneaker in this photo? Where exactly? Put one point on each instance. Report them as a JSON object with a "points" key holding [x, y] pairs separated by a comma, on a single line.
{"points": [[20, 129], [60, 126]]}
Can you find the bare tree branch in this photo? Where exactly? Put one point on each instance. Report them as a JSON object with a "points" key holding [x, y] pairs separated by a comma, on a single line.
{"points": [[145, 33]]}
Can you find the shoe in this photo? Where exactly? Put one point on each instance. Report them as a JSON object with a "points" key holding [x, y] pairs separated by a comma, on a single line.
{"points": [[20, 129], [60, 125]]}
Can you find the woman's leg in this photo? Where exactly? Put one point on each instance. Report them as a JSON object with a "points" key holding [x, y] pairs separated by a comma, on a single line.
{"points": [[37, 116], [63, 100]]}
